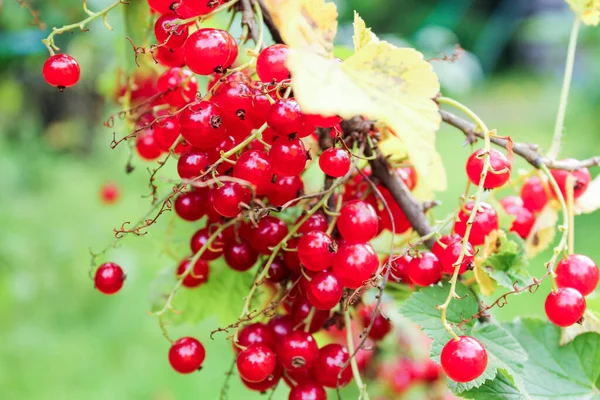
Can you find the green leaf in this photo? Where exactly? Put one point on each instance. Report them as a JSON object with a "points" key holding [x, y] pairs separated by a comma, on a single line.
{"points": [[499, 389], [558, 372], [591, 323], [508, 264], [137, 25]]}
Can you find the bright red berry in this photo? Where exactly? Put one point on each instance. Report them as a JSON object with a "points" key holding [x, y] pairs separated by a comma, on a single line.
{"points": [[399, 270], [166, 131], [269, 383], [209, 51], [524, 221], [335, 162], [256, 333], [324, 291], [228, 198], [285, 189], [401, 223], [270, 64], [240, 256], [534, 194], [288, 156], [486, 220], [167, 34], [281, 325], [109, 278], [451, 254], [321, 121], [381, 325], [496, 177], [316, 222], [198, 276], [202, 7], [316, 250], [61, 70], [256, 363], [268, 233], [285, 117], [254, 167], [178, 86], [189, 206], [212, 252], [578, 272], [581, 177], [328, 365], [308, 391], [301, 309], [358, 222], [464, 359], [443, 242], [186, 355], [202, 125], [425, 270], [192, 163], [170, 57], [565, 306], [146, 146], [355, 263], [162, 6], [297, 351], [278, 270]]}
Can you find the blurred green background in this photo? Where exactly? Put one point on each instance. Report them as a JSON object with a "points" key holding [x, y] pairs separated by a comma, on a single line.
{"points": [[60, 339]]}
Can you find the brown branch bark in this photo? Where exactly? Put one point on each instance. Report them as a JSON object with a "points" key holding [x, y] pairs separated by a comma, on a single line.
{"points": [[248, 19], [528, 151], [270, 23]]}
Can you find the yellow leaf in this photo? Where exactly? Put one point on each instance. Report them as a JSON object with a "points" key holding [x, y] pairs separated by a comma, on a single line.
{"points": [[543, 231], [591, 323], [486, 284], [305, 23], [380, 81], [587, 10], [362, 35], [589, 201]]}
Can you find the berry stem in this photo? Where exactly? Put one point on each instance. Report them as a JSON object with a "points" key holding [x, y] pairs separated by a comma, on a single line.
{"points": [[486, 167], [564, 94], [49, 41], [353, 365], [570, 187]]}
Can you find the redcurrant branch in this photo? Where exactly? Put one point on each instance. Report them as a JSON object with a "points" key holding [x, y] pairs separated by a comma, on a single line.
{"points": [[35, 14], [268, 19]]}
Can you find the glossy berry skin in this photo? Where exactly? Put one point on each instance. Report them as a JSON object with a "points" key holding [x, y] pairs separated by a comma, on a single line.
{"points": [[534, 194], [285, 189], [269, 383], [254, 167], [451, 254], [288, 156], [170, 57], [582, 180], [443, 242], [285, 117], [61, 71], [329, 364], [381, 325], [401, 223], [399, 269], [256, 333], [166, 131], [316, 251], [192, 163], [202, 7], [198, 276], [147, 147], [308, 391], [358, 222], [256, 363], [109, 278], [167, 34], [335, 162], [161, 6], [324, 291], [565, 306], [189, 206], [317, 120], [355, 263], [297, 351], [178, 85], [281, 325], [270, 64], [425, 270], [486, 220], [269, 232], [524, 221], [464, 359], [214, 251], [202, 125], [240, 256], [494, 178], [316, 222], [578, 272], [186, 355], [227, 198], [209, 51]]}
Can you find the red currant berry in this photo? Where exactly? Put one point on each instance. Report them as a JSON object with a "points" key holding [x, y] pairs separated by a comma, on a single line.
{"points": [[496, 177], [408, 176], [451, 254], [335, 162], [316, 222], [297, 351], [581, 177], [534, 194], [240, 256], [358, 222], [565, 306], [170, 57], [269, 232], [198, 276], [464, 359], [401, 223], [285, 189], [162, 6], [234, 98], [524, 221], [381, 325], [399, 270], [270, 64], [167, 34], [227, 199], [425, 270], [578, 272], [269, 383], [321, 121], [300, 311], [189, 206], [199, 240], [291, 259], [166, 131], [214, 155], [316, 251], [209, 51], [202, 125], [486, 220], [281, 325], [109, 278], [355, 263], [308, 391], [443, 242], [254, 167], [288, 156], [192, 163], [278, 271], [256, 363], [146, 146], [329, 364], [186, 355], [61, 70], [202, 7], [109, 193], [256, 333], [285, 117], [324, 291], [178, 85]]}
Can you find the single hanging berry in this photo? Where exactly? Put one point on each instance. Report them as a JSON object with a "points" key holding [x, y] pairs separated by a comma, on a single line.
{"points": [[578, 272], [425, 269], [61, 70], [497, 175], [358, 222], [186, 355], [209, 51], [270, 64], [565, 306], [335, 162], [256, 363], [324, 291], [355, 263], [109, 278], [534, 194], [328, 366], [316, 250], [297, 351], [581, 179], [288, 156], [464, 359]]}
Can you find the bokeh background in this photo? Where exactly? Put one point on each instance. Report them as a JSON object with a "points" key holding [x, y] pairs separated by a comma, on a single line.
{"points": [[60, 339]]}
